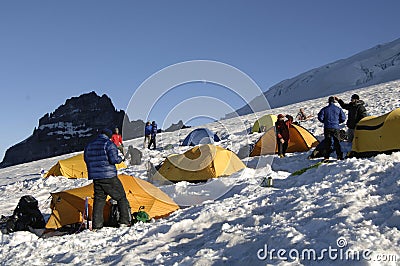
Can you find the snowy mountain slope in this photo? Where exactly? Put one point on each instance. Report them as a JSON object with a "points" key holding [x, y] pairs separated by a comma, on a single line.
{"points": [[374, 66], [355, 201]]}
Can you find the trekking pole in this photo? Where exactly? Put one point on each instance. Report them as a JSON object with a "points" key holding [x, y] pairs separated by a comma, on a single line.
{"points": [[45, 202], [87, 212]]}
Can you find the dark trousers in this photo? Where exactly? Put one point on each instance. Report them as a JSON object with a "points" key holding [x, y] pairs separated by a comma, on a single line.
{"points": [[282, 147], [112, 187], [152, 141], [331, 133], [121, 149]]}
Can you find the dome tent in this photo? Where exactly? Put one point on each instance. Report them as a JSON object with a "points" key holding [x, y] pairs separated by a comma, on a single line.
{"points": [[200, 136], [73, 167], [200, 164], [264, 123], [374, 135], [68, 206], [300, 140]]}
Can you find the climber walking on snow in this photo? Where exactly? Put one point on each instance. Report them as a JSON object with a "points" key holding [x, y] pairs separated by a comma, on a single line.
{"points": [[153, 135]]}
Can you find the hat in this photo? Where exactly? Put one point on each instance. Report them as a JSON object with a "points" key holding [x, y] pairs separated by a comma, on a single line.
{"points": [[355, 97], [331, 99], [106, 132], [281, 116]]}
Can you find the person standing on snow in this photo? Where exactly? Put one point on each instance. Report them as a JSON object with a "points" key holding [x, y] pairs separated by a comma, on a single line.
{"points": [[147, 134], [282, 133], [100, 157], [153, 135], [356, 112], [332, 116], [117, 139]]}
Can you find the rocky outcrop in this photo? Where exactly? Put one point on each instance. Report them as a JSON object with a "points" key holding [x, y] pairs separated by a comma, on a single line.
{"points": [[176, 126], [69, 128]]}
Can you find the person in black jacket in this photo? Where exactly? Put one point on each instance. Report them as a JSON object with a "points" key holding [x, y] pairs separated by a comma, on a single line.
{"points": [[356, 112], [100, 156]]}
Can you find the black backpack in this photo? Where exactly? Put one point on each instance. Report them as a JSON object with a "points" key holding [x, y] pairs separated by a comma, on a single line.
{"points": [[139, 216], [25, 215], [114, 214]]}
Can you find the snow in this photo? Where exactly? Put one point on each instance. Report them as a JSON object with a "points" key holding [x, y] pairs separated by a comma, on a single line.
{"points": [[345, 206], [373, 66], [66, 128]]}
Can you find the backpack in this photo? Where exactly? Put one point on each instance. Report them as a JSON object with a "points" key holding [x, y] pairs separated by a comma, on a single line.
{"points": [[154, 129], [25, 215], [114, 214], [113, 218], [140, 216]]}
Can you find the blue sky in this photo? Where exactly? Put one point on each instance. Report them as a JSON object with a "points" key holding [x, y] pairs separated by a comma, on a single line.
{"points": [[53, 50]]}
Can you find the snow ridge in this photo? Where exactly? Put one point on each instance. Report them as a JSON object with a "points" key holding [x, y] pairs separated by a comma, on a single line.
{"points": [[376, 65]]}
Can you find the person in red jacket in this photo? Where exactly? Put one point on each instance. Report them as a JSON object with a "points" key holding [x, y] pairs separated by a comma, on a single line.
{"points": [[117, 139], [282, 133]]}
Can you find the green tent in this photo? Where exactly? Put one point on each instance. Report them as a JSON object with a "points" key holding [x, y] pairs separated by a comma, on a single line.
{"points": [[264, 123]]}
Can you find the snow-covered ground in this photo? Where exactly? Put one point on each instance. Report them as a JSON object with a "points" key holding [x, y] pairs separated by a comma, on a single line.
{"points": [[350, 206]]}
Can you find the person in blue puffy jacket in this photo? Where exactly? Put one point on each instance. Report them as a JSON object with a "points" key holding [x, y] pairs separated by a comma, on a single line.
{"points": [[332, 116], [100, 156]]}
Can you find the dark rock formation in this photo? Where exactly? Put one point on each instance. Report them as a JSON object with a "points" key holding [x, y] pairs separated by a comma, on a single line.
{"points": [[176, 126], [70, 127]]}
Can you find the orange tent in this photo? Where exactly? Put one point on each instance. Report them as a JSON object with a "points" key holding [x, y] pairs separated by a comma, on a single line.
{"points": [[200, 164], [69, 205], [73, 167], [300, 140]]}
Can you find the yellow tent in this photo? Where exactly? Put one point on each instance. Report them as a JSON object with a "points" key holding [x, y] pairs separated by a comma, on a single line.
{"points": [[264, 123], [200, 164], [73, 167], [375, 135], [68, 206], [300, 140]]}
